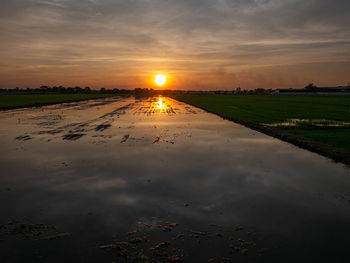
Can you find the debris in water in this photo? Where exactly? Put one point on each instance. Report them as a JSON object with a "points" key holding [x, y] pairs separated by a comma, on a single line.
{"points": [[166, 228], [156, 140], [139, 249], [52, 237], [132, 233], [176, 258], [108, 246], [102, 127], [23, 138], [179, 236], [73, 136], [135, 240], [125, 138], [29, 230], [160, 245]]}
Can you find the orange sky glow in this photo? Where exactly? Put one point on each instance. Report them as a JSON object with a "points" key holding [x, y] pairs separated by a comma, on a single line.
{"points": [[198, 45]]}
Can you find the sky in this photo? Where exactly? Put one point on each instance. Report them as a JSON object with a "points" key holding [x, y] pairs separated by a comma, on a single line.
{"points": [[198, 44]]}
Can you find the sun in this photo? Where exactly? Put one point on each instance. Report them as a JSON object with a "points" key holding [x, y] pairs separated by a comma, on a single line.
{"points": [[160, 80]]}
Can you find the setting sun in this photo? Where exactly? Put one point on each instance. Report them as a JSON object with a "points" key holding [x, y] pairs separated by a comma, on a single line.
{"points": [[160, 79]]}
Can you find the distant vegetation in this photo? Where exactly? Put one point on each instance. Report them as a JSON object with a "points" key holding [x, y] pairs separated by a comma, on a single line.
{"points": [[88, 90], [62, 90], [18, 100], [310, 89], [320, 119]]}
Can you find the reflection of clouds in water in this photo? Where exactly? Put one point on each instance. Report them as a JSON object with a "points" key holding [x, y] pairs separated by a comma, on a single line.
{"points": [[123, 199], [96, 183], [227, 173], [267, 140]]}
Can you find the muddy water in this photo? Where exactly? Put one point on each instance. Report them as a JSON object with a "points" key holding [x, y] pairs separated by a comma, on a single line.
{"points": [[136, 180]]}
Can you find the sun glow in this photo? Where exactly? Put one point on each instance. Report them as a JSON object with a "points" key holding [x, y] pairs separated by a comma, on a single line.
{"points": [[160, 79]]}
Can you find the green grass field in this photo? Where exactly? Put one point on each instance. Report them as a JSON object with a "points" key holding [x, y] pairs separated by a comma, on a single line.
{"points": [[315, 116], [336, 137], [17, 101]]}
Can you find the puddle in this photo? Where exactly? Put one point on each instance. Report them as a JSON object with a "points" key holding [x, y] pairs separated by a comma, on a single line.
{"points": [[310, 123]]}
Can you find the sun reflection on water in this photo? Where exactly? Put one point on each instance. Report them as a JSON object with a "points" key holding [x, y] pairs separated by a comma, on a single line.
{"points": [[160, 104]]}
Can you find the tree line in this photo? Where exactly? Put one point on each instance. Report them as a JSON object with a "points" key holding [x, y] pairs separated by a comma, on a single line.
{"points": [[86, 90], [64, 90]]}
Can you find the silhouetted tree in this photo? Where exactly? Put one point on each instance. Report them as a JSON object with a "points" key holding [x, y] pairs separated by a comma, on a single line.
{"points": [[310, 87], [77, 89], [87, 90]]}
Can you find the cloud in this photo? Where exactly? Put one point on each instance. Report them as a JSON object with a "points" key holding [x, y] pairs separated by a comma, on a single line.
{"points": [[80, 42]]}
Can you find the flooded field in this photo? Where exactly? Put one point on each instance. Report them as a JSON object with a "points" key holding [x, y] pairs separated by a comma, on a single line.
{"points": [[157, 180]]}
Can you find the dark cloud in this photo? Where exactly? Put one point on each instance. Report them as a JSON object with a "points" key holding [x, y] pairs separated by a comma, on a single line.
{"points": [[127, 40]]}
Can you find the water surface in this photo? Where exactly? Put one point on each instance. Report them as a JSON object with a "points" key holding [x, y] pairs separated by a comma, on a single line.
{"points": [[79, 178]]}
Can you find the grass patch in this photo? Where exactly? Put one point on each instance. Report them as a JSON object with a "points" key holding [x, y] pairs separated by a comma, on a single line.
{"points": [[273, 109], [19, 101], [325, 120], [336, 137]]}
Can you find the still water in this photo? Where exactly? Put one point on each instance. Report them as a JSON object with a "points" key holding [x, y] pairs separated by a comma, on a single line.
{"points": [[156, 180]]}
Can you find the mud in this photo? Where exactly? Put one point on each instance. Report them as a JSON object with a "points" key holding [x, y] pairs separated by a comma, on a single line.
{"points": [[156, 140], [23, 138], [102, 127], [159, 240], [73, 136], [125, 138]]}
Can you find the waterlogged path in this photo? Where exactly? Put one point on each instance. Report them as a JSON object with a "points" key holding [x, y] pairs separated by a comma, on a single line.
{"points": [[156, 180]]}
